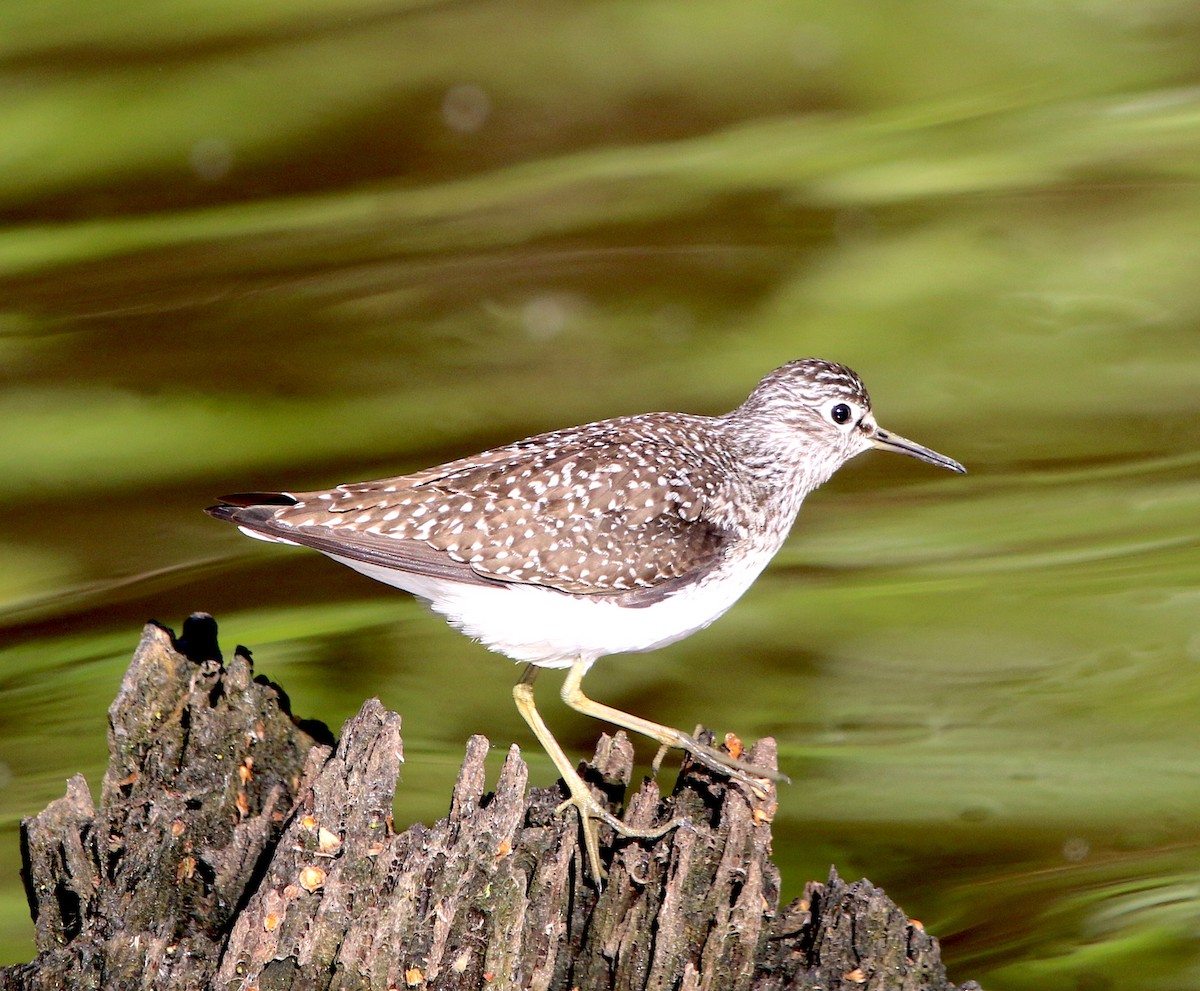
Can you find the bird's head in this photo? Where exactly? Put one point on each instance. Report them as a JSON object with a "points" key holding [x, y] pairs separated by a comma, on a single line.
{"points": [[816, 415]]}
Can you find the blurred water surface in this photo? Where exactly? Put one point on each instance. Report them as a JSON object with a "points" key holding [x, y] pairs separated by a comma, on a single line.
{"points": [[283, 245]]}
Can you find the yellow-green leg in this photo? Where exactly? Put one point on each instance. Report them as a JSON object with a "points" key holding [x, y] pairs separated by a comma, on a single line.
{"points": [[591, 813], [717, 760]]}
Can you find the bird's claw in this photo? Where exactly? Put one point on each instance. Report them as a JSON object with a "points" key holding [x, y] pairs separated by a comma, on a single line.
{"points": [[592, 813]]}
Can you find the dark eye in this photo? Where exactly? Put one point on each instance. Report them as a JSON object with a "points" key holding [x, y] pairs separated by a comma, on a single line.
{"points": [[840, 413]]}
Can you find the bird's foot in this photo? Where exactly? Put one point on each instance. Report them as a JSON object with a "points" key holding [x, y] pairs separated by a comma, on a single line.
{"points": [[592, 813], [758, 780]]}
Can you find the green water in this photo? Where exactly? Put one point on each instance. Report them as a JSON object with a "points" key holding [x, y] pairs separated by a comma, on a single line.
{"points": [[283, 245]]}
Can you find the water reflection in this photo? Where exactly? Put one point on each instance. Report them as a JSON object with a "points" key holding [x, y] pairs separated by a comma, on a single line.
{"points": [[277, 247]]}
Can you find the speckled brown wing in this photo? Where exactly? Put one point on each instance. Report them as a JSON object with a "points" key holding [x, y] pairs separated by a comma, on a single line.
{"points": [[606, 509]]}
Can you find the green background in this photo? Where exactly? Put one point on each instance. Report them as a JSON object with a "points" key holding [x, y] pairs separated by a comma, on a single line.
{"points": [[283, 245]]}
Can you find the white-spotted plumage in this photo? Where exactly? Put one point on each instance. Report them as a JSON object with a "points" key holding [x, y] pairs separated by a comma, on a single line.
{"points": [[617, 536]]}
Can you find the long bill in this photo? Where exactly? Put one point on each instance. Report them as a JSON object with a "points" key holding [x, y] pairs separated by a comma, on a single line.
{"points": [[901, 445]]}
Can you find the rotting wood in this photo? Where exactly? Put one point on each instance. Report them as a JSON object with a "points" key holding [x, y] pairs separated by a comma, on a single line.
{"points": [[235, 848]]}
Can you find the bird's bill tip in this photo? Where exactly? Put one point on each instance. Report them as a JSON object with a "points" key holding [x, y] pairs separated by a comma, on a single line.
{"points": [[885, 441]]}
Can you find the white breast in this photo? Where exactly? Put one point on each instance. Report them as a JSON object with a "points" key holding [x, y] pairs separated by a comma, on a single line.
{"points": [[553, 629]]}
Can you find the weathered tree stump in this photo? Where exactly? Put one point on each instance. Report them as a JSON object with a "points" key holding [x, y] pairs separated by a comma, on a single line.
{"points": [[234, 848]]}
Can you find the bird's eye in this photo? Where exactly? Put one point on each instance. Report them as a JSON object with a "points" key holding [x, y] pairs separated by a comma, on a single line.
{"points": [[840, 413]]}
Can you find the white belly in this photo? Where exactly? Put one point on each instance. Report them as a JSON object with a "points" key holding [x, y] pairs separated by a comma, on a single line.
{"points": [[552, 629]]}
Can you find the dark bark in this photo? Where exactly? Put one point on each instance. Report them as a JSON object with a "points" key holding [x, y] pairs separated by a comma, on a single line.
{"points": [[233, 850]]}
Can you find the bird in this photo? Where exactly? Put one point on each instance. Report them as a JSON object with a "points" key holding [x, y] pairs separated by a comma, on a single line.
{"points": [[618, 536]]}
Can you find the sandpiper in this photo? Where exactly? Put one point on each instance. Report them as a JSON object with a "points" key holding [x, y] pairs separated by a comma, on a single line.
{"points": [[618, 536]]}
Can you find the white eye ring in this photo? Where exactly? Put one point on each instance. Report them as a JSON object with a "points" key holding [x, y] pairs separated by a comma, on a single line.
{"points": [[842, 414]]}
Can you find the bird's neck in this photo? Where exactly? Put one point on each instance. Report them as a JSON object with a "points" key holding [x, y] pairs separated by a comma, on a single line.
{"points": [[780, 458]]}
